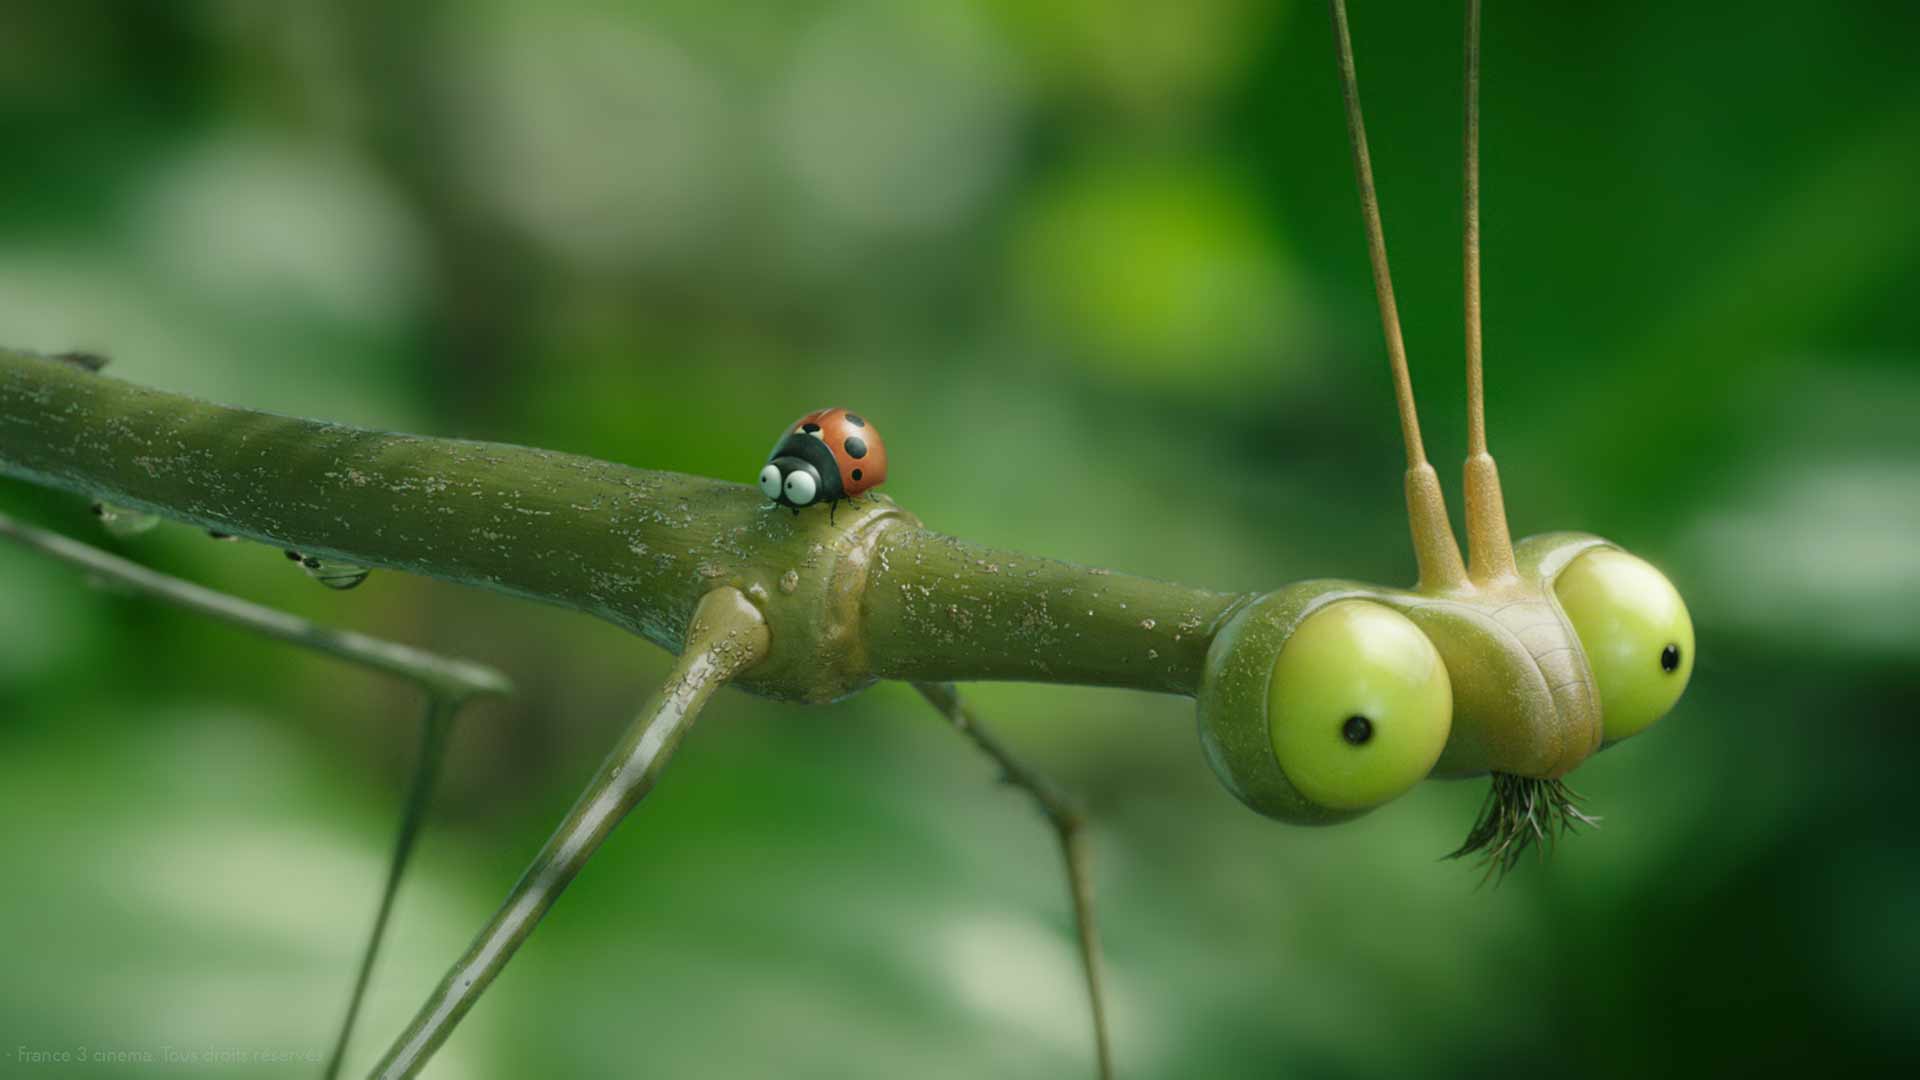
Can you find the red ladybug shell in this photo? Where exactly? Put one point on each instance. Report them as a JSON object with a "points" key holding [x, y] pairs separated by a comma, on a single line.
{"points": [[856, 447]]}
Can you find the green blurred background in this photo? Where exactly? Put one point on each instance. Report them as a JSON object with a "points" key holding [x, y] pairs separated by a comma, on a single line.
{"points": [[1096, 270]]}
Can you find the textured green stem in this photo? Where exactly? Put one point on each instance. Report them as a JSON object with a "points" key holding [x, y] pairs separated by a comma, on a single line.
{"points": [[939, 609], [616, 541], [863, 594], [726, 636]]}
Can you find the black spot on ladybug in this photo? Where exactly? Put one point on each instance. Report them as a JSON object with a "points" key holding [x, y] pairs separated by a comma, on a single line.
{"points": [[856, 446], [854, 419], [856, 474], [809, 428]]}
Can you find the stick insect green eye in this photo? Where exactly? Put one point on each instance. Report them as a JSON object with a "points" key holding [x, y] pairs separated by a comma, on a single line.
{"points": [[1354, 706], [1359, 705], [1636, 634]]}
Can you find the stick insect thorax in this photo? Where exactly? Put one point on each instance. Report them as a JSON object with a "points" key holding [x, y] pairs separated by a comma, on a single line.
{"points": [[1325, 699]]}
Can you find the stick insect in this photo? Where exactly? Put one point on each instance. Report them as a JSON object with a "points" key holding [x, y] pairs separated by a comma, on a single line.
{"points": [[1317, 702]]}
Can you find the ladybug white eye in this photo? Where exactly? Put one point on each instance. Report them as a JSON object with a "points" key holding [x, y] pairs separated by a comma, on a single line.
{"points": [[800, 488], [770, 481]]}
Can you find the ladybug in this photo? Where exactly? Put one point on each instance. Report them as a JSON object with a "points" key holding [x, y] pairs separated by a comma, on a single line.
{"points": [[825, 456]]}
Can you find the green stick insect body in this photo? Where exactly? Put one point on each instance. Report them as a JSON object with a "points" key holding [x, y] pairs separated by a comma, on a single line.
{"points": [[1317, 702]]}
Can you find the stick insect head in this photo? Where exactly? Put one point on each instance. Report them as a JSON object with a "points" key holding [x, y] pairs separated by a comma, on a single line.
{"points": [[1325, 699]]}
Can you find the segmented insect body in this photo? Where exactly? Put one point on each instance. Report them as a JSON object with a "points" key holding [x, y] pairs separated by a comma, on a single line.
{"points": [[826, 456]]}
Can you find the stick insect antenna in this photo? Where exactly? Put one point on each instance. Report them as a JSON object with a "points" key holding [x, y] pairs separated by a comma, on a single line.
{"points": [[1433, 543], [1489, 545], [1476, 395]]}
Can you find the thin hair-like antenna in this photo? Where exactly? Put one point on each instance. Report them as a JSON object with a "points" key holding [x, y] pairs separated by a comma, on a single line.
{"points": [[1476, 393], [1377, 242], [1433, 544], [1489, 545]]}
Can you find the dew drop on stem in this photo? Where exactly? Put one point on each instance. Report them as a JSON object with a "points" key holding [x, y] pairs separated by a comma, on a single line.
{"points": [[333, 573], [122, 522]]}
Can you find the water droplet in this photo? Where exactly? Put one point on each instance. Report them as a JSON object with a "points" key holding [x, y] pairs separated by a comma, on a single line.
{"points": [[333, 573], [225, 538], [122, 522]]}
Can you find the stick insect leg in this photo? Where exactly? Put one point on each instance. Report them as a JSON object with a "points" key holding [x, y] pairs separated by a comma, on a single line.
{"points": [[725, 637], [1069, 823], [435, 730], [448, 684]]}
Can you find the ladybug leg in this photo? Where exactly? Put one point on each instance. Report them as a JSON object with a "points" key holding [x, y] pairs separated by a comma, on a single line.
{"points": [[831, 507]]}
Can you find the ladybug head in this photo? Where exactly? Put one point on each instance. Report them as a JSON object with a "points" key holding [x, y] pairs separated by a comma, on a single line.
{"points": [[801, 471]]}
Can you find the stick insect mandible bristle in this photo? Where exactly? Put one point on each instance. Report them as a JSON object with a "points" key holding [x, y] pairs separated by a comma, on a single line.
{"points": [[1317, 702]]}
